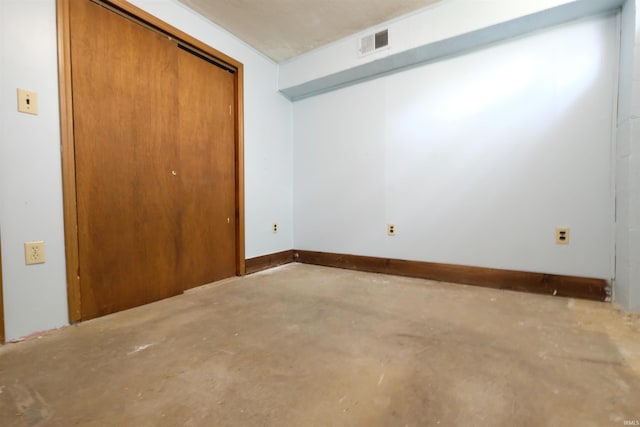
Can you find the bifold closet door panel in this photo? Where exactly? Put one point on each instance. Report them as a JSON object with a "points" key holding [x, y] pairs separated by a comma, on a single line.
{"points": [[206, 154], [125, 131]]}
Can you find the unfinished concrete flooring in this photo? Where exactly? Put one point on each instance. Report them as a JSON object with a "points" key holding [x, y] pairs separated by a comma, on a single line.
{"points": [[309, 346]]}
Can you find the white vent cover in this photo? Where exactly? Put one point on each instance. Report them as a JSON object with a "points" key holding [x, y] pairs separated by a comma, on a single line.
{"points": [[374, 42]]}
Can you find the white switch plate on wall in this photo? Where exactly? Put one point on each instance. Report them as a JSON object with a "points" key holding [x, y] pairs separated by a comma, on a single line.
{"points": [[27, 101]]}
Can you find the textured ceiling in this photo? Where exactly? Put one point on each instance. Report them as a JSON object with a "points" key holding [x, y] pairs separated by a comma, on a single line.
{"points": [[282, 29]]}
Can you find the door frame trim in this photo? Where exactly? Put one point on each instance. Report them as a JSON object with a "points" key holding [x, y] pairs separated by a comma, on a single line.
{"points": [[68, 142]]}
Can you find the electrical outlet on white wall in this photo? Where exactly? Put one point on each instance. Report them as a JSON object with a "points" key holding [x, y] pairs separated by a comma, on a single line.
{"points": [[34, 252]]}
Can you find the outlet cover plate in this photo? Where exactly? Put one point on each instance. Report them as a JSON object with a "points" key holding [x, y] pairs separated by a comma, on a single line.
{"points": [[562, 235], [34, 252]]}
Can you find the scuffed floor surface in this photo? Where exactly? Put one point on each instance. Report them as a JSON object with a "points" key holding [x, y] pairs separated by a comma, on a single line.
{"points": [[310, 346]]}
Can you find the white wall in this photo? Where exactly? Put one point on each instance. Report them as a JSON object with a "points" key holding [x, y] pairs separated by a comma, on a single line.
{"points": [[627, 289], [476, 159], [35, 296], [30, 174]]}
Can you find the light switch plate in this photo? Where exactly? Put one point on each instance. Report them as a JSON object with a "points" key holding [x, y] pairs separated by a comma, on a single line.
{"points": [[27, 101]]}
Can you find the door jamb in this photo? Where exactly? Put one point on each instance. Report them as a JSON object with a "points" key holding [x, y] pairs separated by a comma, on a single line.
{"points": [[68, 142]]}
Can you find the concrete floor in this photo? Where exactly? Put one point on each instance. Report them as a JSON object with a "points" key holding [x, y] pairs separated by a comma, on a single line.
{"points": [[303, 345]]}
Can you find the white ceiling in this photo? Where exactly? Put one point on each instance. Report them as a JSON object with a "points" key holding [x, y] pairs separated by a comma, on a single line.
{"points": [[282, 29]]}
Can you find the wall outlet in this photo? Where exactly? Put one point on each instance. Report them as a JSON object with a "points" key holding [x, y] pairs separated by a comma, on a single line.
{"points": [[391, 229], [274, 228], [34, 252], [562, 235]]}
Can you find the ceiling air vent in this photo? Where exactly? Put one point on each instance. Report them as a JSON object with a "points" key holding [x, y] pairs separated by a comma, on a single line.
{"points": [[374, 42]]}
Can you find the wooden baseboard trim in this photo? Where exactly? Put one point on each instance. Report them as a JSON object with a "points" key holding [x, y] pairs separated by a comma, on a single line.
{"points": [[2, 337], [540, 283], [253, 265]]}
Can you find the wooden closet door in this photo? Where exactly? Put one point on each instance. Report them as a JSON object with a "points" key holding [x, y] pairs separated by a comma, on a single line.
{"points": [[206, 153], [125, 128]]}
